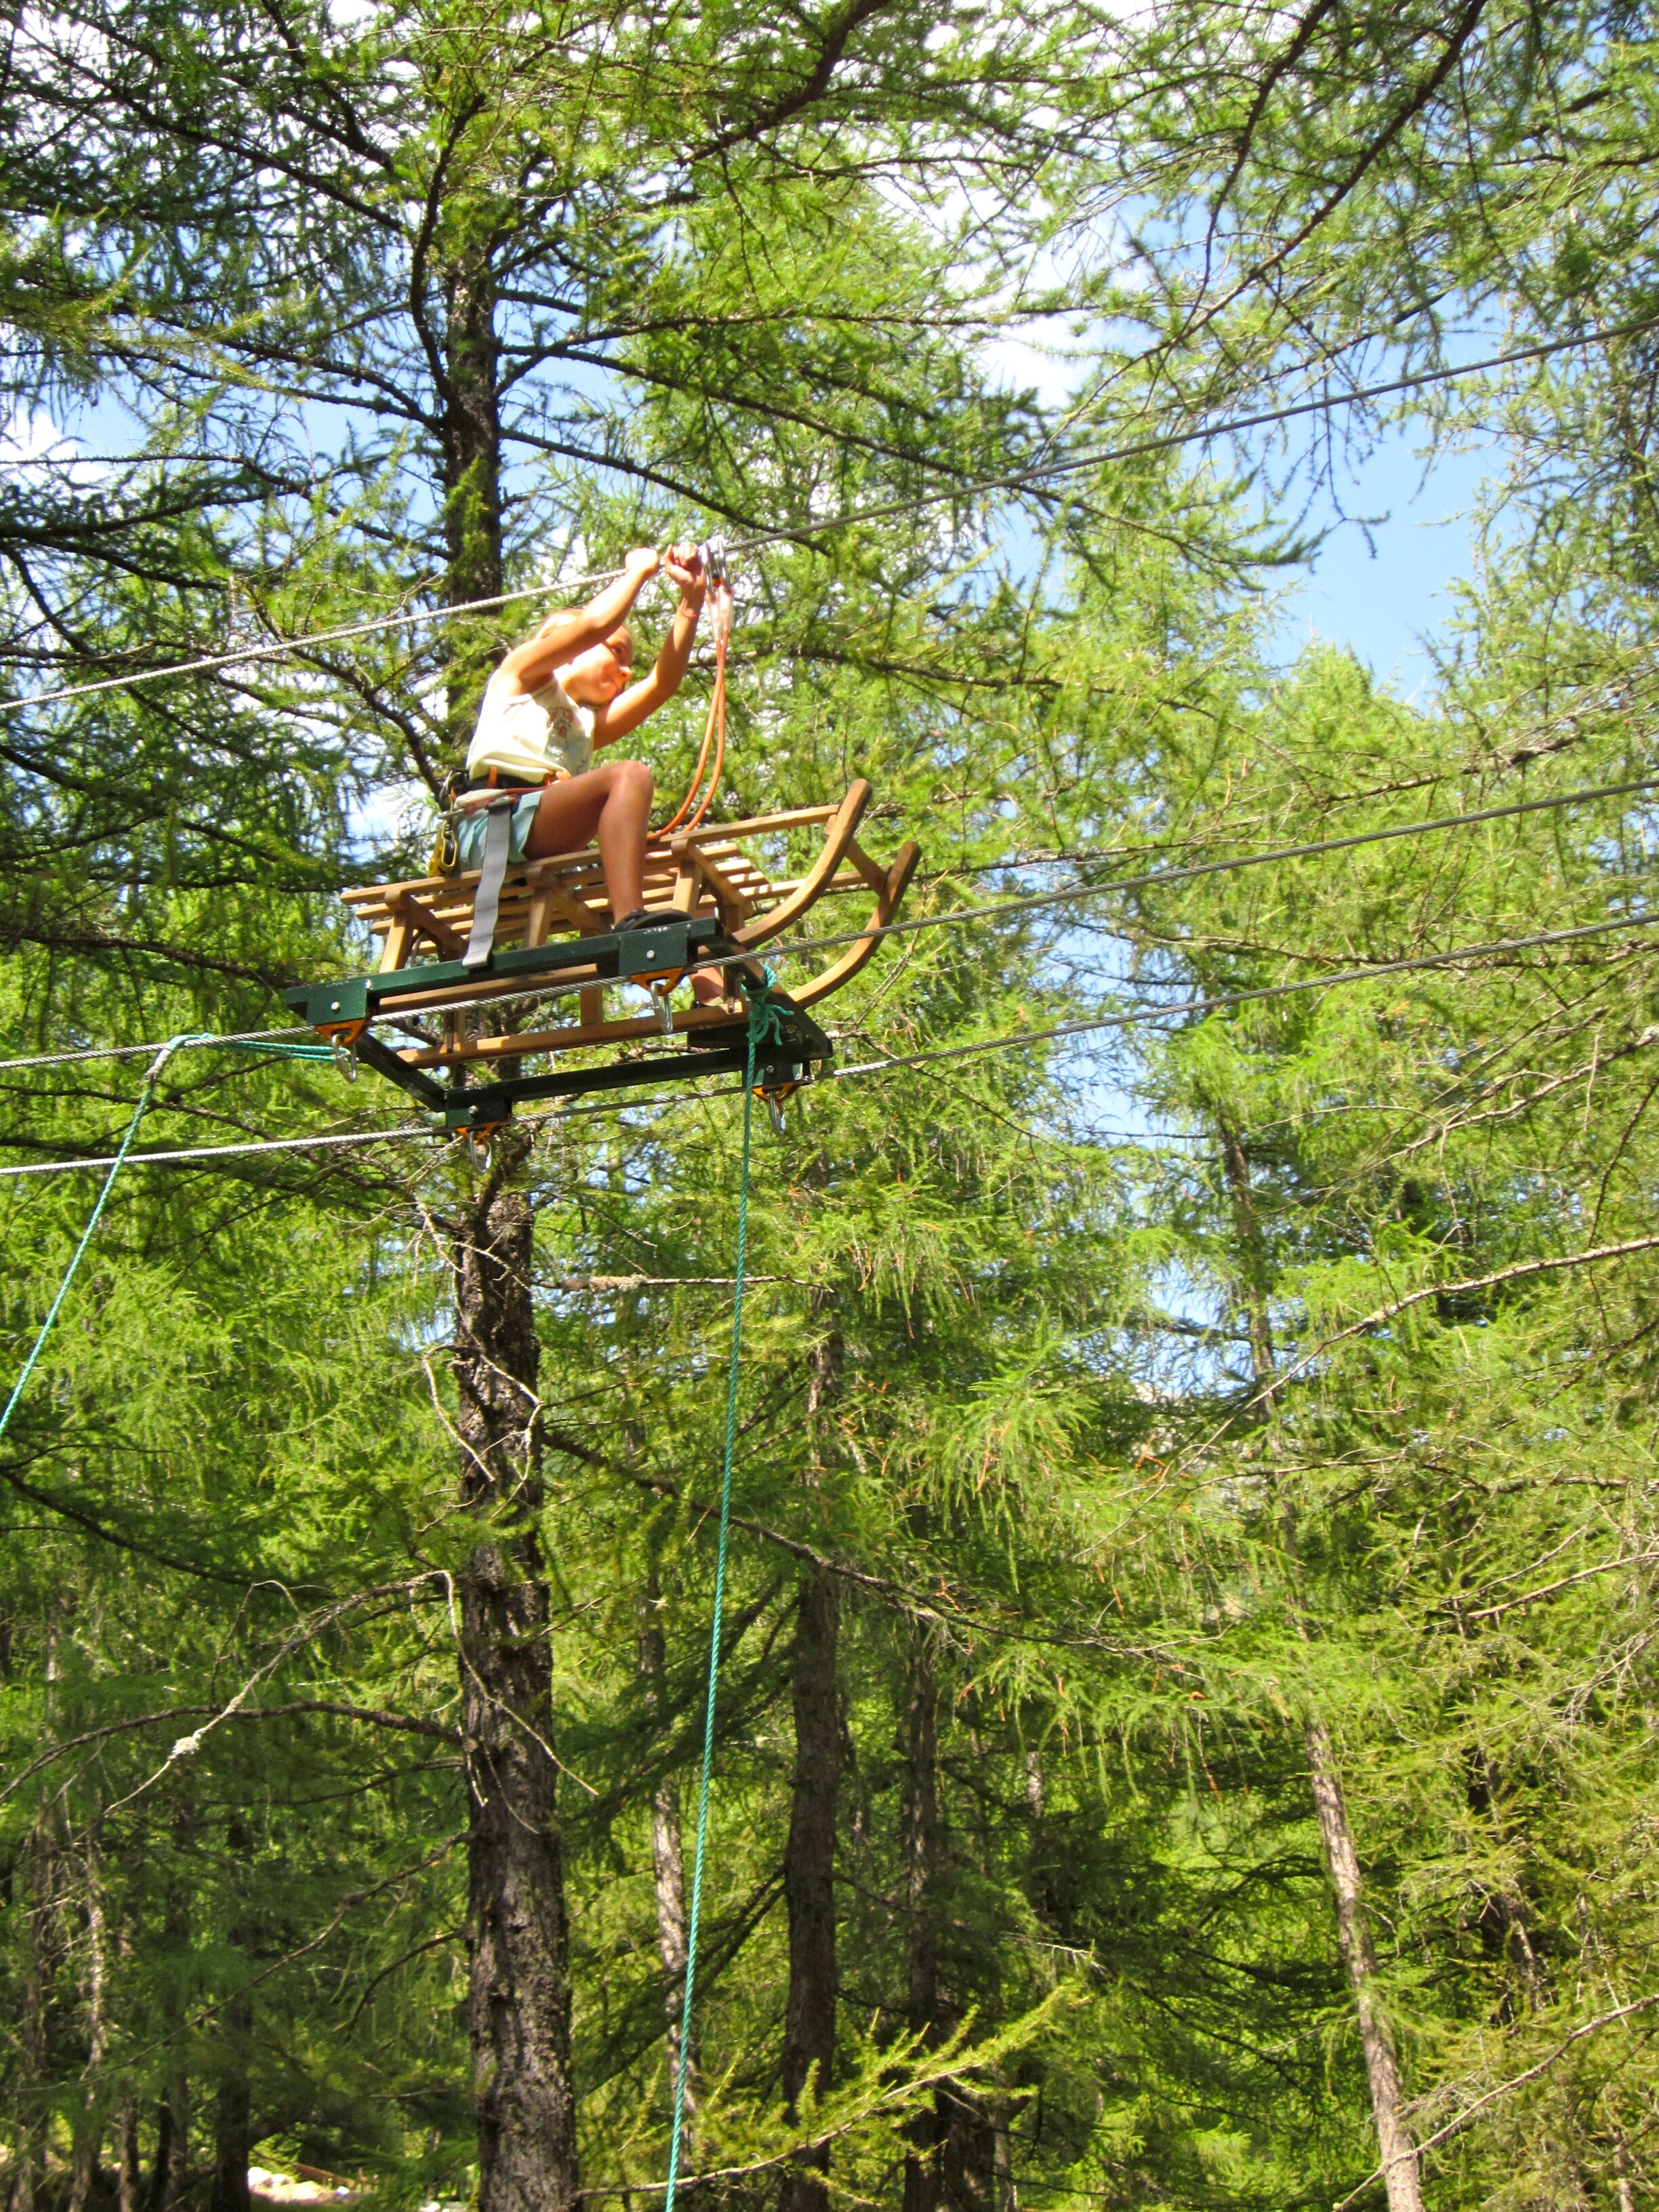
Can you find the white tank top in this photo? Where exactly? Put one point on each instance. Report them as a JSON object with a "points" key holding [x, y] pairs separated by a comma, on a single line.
{"points": [[530, 734]]}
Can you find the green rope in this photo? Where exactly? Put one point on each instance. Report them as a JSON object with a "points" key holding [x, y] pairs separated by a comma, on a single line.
{"points": [[765, 1024], [138, 1112]]}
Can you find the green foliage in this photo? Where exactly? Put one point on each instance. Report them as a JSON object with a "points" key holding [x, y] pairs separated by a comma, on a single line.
{"points": [[1319, 1401]]}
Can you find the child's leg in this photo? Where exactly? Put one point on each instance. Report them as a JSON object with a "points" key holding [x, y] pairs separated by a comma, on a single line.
{"points": [[610, 805]]}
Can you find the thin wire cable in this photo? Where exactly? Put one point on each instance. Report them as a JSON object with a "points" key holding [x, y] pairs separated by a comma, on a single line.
{"points": [[134, 1051], [1192, 870], [279, 648], [1140, 1014], [1149, 879], [224, 1151], [1152, 878], [808, 533], [1015, 1041], [1169, 440], [315, 1144]]}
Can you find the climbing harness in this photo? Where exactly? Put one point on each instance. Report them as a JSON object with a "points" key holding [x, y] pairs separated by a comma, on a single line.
{"points": [[764, 1017], [446, 857]]}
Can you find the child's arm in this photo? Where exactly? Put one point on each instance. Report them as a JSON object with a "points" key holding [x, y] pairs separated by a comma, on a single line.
{"points": [[564, 634], [630, 708]]}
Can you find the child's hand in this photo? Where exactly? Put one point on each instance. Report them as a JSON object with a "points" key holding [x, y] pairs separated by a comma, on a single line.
{"points": [[641, 563], [683, 564]]}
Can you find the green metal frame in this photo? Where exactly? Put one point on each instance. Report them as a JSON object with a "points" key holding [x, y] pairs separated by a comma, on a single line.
{"points": [[792, 1057]]}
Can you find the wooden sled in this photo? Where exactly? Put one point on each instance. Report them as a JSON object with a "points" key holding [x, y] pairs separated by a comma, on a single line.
{"points": [[712, 875]]}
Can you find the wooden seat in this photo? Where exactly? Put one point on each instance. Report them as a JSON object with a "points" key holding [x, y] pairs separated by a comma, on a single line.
{"points": [[717, 871]]}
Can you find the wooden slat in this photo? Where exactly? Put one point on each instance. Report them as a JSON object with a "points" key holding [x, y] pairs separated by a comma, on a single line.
{"points": [[706, 833], [480, 993], [757, 825], [396, 950], [702, 870], [735, 903], [420, 917]]}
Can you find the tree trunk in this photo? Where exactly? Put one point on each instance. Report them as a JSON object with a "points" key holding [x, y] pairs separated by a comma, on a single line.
{"points": [[919, 1845], [232, 2117], [129, 2175], [1504, 1920], [518, 2001], [89, 2121], [39, 1890], [667, 1859], [809, 1874], [176, 2169], [472, 448], [1394, 2138], [1252, 1251], [155, 2194]]}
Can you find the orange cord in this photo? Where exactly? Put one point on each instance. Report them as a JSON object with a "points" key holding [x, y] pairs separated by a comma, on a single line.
{"points": [[714, 730]]}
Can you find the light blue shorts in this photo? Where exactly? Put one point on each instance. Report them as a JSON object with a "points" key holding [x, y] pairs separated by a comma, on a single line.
{"points": [[470, 831]]}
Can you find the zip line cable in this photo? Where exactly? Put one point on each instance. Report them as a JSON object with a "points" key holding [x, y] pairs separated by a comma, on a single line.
{"points": [[227, 1151], [1141, 1014], [280, 1042], [807, 533], [283, 1043], [1190, 872], [279, 648], [1014, 1041]]}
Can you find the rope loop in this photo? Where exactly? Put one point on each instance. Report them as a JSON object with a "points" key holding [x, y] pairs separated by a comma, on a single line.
{"points": [[765, 1015]]}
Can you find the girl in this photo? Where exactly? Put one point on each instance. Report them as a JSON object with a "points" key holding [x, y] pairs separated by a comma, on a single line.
{"points": [[554, 702]]}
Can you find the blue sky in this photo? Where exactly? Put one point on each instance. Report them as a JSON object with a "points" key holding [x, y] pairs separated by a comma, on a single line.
{"points": [[1383, 598], [1382, 592]]}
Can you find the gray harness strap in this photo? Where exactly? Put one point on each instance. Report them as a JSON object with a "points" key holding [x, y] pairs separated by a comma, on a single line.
{"points": [[487, 900]]}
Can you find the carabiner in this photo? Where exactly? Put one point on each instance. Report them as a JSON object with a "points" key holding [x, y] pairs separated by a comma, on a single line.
{"points": [[346, 1061]]}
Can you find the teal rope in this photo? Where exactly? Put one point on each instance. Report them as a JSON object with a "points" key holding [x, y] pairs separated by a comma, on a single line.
{"points": [[138, 1112], [764, 1024], [280, 1051]]}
